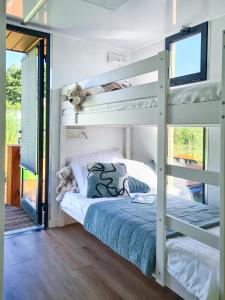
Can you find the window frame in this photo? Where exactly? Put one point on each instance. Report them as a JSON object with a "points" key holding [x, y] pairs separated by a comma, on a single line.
{"points": [[186, 33], [204, 163]]}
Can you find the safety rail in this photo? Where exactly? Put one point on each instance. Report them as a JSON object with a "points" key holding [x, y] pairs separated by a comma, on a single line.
{"points": [[144, 66], [204, 176], [194, 232]]}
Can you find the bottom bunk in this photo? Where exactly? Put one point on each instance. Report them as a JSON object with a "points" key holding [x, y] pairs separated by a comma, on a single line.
{"points": [[192, 267]]}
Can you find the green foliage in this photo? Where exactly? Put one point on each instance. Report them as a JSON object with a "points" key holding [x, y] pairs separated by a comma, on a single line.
{"points": [[13, 124], [13, 104], [189, 142], [13, 84]]}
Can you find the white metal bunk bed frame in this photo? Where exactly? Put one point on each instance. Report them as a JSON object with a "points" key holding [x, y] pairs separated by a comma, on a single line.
{"points": [[197, 114]]}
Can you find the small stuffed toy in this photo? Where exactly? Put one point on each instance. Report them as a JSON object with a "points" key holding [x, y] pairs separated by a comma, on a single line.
{"points": [[67, 182], [77, 96]]}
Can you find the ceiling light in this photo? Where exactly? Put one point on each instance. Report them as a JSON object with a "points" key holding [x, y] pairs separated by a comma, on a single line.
{"points": [[174, 16], [108, 4]]}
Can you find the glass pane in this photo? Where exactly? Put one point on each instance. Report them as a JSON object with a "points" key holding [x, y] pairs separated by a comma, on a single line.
{"points": [[30, 187], [186, 56], [186, 149], [186, 146], [186, 189]]}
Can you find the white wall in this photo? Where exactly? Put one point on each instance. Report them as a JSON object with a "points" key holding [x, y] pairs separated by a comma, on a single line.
{"points": [[71, 60], [143, 53], [144, 143], [98, 139]]}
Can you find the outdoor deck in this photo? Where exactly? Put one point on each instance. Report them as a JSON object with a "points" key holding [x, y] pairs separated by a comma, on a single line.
{"points": [[16, 218]]}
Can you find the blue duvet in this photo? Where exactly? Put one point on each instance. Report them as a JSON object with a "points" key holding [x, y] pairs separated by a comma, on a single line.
{"points": [[130, 228]]}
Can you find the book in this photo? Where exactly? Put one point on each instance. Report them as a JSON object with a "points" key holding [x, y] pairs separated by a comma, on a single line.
{"points": [[144, 199]]}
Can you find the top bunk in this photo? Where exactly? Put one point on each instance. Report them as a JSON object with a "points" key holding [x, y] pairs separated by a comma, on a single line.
{"points": [[196, 104]]}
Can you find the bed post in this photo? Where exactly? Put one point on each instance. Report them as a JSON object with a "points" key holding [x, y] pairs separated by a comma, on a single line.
{"points": [[62, 156], [222, 178], [128, 142], [163, 77]]}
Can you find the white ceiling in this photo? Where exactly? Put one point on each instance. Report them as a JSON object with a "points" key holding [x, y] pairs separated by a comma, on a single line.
{"points": [[135, 24]]}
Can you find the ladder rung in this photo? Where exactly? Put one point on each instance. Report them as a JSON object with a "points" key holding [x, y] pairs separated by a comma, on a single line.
{"points": [[203, 176], [194, 232]]}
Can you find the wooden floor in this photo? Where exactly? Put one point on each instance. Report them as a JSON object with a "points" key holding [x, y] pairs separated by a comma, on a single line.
{"points": [[70, 264]]}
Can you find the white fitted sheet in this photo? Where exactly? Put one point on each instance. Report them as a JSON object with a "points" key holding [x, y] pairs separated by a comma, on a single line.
{"points": [[78, 204], [193, 264], [190, 93]]}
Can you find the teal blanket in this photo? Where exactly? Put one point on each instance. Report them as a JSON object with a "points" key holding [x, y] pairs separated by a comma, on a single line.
{"points": [[130, 228]]}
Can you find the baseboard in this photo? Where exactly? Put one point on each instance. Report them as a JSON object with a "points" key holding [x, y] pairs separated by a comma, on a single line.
{"points": [[52, 223]]}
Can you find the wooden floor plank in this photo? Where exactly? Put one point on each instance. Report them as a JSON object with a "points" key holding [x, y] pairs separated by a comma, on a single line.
{"points": [[70, 264]]}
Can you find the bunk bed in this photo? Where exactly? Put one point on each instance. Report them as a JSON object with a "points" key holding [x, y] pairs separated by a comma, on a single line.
{"points": [[154, 104]]}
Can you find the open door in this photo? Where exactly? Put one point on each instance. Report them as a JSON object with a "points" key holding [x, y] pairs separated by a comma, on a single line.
{"points": [[32, 132], [27, 128]]}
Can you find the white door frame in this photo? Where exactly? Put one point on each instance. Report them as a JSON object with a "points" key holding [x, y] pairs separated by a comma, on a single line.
{"points": [[2, 133]]}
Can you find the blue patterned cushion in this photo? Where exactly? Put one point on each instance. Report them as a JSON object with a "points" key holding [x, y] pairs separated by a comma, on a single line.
{"points": [[137, 186], [107, 180]]}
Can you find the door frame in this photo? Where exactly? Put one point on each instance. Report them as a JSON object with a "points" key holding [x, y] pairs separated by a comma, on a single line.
{"points": [[2, 134], [46, 36]]}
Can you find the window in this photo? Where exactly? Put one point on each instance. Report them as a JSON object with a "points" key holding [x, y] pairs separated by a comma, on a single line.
{"points": [[186, 148], [188, 55]]}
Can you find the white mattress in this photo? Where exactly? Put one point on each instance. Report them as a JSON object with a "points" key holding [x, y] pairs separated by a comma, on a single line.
{"points": [[190, 93], [193, 264], [77, 205]]}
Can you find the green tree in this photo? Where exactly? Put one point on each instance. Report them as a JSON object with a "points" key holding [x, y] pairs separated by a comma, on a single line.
{"points": [[13, 85], [189, 141]]}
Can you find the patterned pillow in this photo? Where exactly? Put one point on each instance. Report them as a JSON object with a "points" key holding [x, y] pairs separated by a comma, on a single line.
{"points": [[107, 180], [137, 186]]}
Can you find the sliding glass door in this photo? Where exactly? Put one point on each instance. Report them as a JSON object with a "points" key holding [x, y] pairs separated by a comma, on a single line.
{"points": [[32, 132]]}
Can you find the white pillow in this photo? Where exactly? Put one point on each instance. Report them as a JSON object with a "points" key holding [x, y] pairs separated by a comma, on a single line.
{"points": [[79, 164], [141, 172]]}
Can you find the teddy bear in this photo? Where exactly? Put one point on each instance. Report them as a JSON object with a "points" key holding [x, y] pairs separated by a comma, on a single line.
{"points": [[76, 96], [67, 182]]}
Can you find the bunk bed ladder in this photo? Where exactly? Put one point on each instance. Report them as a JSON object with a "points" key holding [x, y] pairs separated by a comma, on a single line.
{"points": [[222, 179], [209, 177], [163, 81]]}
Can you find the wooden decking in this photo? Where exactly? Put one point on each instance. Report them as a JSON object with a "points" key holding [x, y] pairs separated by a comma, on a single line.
{"points": [[16, 218], [70, 264]]}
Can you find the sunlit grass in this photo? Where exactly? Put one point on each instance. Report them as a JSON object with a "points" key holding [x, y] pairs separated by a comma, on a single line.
{"points": [[13, 123], [188, 143]]}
